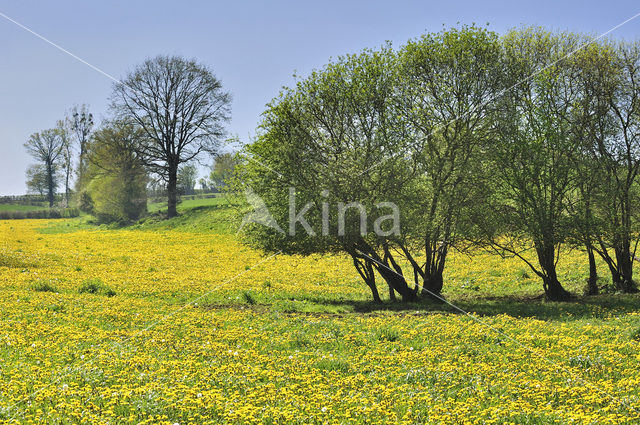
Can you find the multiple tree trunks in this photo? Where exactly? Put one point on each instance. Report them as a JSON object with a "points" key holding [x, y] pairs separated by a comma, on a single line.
{"points": [[624, 259], [368, 261], [621, 267]]}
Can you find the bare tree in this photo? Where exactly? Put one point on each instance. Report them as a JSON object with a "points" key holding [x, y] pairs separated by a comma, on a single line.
{"points": [[47, 147], [180, 106]]}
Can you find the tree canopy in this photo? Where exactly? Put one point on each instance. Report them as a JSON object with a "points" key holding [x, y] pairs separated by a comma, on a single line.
{"points": [[525, 142]]}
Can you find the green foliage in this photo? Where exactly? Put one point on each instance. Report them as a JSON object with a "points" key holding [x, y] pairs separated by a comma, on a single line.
{"points": [[116, 176], [300, 143], [85, 202], [95, 286], [187, 176], [223, 169], [43, 285], [333, 365], [37, 179], [373, 128], [47, 148], [248, 298]]}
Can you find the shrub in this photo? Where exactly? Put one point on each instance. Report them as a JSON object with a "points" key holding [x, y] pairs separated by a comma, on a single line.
{"points": [[248, 298], [85, 202]]}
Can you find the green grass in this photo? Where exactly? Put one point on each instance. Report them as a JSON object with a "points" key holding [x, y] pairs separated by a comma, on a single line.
{"points": [[426, 361], [210, 215], [188, 204], [95, 286]]}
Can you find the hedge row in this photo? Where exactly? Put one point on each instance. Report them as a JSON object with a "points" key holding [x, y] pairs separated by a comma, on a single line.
{"points": [[49, 213]]}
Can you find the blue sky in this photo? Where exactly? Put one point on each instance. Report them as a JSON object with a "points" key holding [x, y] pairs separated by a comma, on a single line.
{"points": [[254, 47]]}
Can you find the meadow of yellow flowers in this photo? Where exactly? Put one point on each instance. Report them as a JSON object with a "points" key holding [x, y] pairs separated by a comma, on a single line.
{"points": [[140, 326]]}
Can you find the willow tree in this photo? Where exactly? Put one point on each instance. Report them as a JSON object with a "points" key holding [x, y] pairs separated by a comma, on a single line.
{"points": [[591, 118], [181, 108], [616, 138], [532, 152], [448, 82], [331, 161]]}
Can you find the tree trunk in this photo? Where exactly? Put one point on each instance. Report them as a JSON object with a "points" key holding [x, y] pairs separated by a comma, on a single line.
{"points": [[552, 287], [392, 294], [625, 282], [50, 184], [397, 282], [365, 269], [554, 290], [66, 185], [392, 273], [433, 284], [592, 283], [436, 254], [172, 192]]}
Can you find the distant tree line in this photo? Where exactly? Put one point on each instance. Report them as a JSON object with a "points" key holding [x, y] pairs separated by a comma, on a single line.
{"points": [[522, 143]]}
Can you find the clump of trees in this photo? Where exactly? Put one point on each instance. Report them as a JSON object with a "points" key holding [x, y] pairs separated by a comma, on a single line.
{"points": [[166, 114], [54, 152], [527, 142]]}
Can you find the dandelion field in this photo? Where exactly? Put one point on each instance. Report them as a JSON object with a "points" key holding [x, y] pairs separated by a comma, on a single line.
{"points": [[180, 325]]}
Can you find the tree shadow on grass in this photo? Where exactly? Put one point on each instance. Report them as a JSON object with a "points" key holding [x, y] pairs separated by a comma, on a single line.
{"points": [[593, 307]]}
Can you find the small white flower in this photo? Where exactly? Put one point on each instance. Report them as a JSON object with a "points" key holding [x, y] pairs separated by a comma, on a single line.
{"points": [[324, 409]]}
